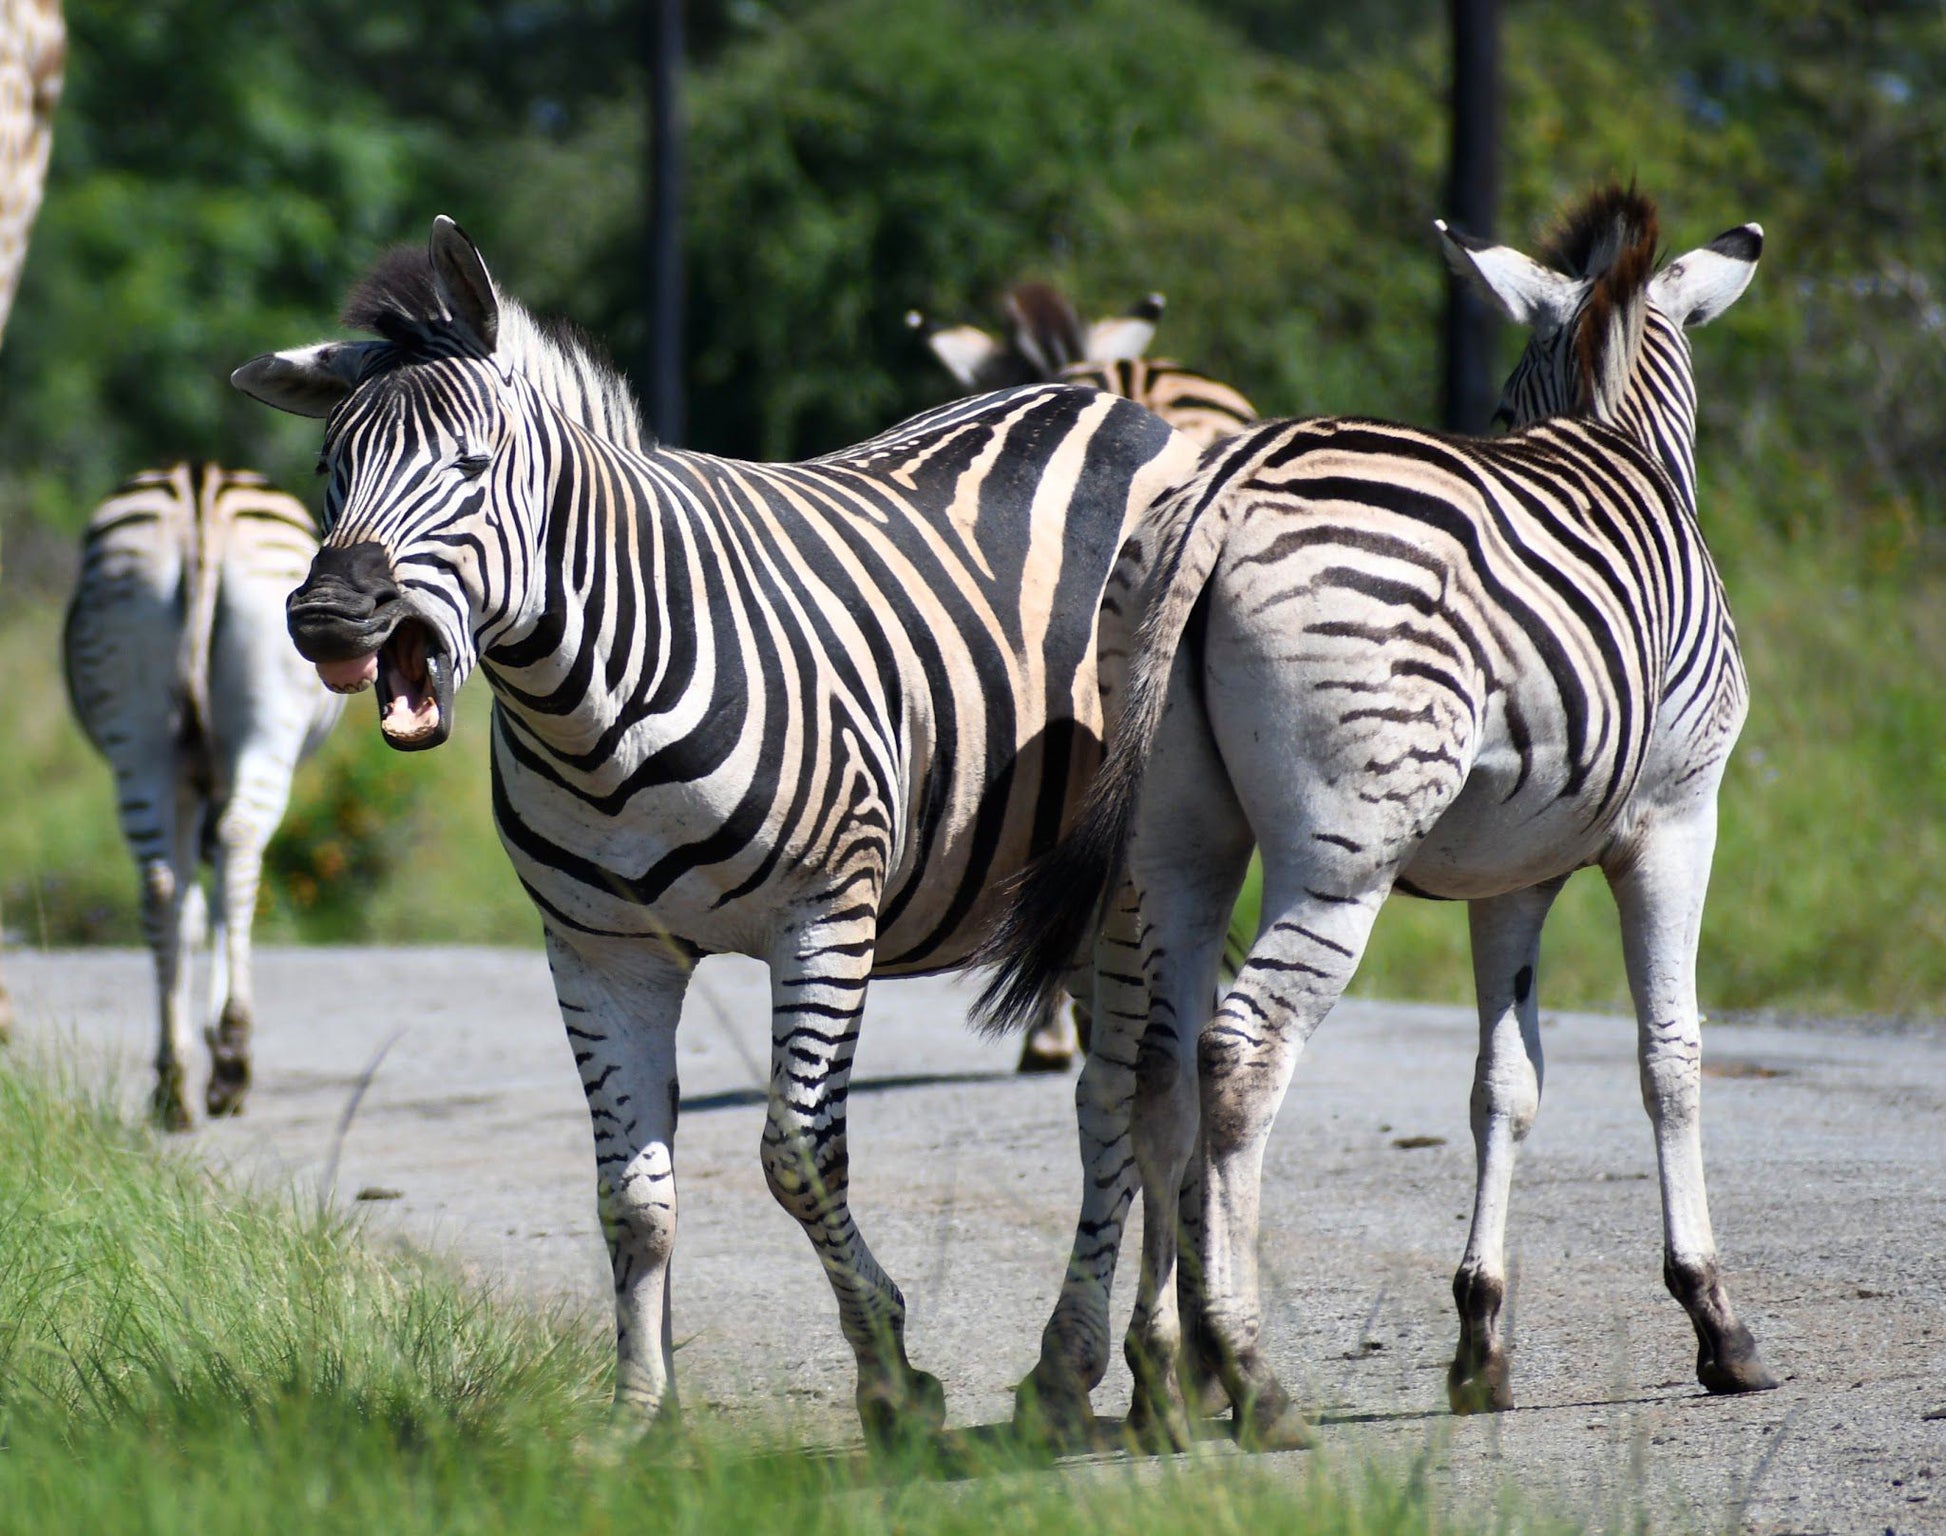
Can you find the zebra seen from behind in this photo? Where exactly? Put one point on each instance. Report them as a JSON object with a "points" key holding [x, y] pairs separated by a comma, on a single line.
{"points": [[1046, 340], [813, 713], [182, 676], [1456, 668]]}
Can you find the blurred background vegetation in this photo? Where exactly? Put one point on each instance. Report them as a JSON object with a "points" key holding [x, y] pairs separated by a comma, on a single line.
{"points": [[221, 173]]}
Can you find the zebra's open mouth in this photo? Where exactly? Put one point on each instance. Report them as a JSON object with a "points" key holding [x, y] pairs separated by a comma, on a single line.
{"points": [[415, 685], [415, 688]]}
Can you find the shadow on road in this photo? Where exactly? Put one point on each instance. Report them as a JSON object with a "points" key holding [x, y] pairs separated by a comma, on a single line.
{"points": [[739, 1098]]}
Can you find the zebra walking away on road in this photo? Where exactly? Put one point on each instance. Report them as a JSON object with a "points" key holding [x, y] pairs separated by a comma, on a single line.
{"points": [[182, 676], [810, 712], [1046, 340], [1458, 668]]}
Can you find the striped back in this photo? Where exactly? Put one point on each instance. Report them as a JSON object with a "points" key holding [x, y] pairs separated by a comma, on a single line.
{"points": [[167, 535], [1201, 408]]}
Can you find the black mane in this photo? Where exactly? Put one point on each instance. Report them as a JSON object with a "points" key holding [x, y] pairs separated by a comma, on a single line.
{"points": [[398, 299], [1612, 226]]}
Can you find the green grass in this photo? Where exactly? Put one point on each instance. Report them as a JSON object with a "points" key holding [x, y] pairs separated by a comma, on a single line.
{"points": [[179, 1356], [1833, 816]]}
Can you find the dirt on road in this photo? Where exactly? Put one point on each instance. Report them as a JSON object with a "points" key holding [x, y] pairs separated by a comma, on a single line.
{"points": [[1826, 1148]]}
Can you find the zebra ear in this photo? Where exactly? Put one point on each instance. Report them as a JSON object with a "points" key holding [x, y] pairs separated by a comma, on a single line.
{"points": [[1695, 288], [1125, 337], [461, 277], [306, 381], [1523, 290], [967, 351]]}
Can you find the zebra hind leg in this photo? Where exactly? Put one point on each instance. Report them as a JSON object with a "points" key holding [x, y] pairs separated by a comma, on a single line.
{"points": [[1506, 932], [818, 981], [1659, 883], [1053, 1403], [1295, 973], [238, 858], [1186, 942]]}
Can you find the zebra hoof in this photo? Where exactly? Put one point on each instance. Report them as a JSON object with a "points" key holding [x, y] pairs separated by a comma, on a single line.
{"points": [[1049, 1047], [169, 1104], [1734, 1366], [229, 1081], [1157, 1423], [1484, 1387], [1052, 1408], [903, 1413], [1268, 1420]]}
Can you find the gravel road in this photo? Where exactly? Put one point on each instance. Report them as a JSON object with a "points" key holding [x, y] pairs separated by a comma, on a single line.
{"points": [[1826, 1152]]}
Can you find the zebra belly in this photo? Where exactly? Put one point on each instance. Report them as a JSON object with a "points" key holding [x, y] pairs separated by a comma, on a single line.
{"points": [[674, 862]]}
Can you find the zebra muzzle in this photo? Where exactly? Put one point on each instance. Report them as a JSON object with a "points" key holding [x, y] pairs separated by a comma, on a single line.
{"points": [[352, 622]]}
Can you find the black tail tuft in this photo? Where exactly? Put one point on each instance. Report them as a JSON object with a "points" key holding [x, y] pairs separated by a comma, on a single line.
{"points": [[1054, 906], [1059, 901]]}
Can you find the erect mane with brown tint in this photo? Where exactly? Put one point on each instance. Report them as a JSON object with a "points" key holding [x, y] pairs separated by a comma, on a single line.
{"points": [[1610, 239], [1045, 324]]}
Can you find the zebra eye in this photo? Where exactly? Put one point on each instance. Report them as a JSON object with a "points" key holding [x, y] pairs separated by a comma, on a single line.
{"points": [[322, 468], [473, 465]]}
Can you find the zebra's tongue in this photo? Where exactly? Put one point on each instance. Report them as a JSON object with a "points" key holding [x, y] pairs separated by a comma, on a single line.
{"points": [[408, 707]]}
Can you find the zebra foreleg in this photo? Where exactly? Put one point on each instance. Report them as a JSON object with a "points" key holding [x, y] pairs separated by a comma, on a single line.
{"points": [[1506, 933], [818, 981], [1659, 880], [620, 1010], [1053, 1401]]}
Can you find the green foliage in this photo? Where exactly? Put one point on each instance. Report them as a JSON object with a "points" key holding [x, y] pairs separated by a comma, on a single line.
{"points": [[222, 172], [178, 1356]]}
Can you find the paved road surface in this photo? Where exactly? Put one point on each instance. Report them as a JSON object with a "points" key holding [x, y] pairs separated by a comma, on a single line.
{"points": [[1827, 1160]]}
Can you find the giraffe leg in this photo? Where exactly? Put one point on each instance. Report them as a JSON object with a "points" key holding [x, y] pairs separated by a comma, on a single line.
{"points": [[818, 979], [1659, 881], [1506, 1096], [620, 1003]]}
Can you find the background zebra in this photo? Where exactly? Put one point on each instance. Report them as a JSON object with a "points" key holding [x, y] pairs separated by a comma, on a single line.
{"points": [[181, 675], [808, 712], [1046, 340], [1459, 668]]}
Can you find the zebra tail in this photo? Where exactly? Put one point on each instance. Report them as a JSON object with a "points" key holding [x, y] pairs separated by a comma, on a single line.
{"points": [[202, 572], [1058, 902]]}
